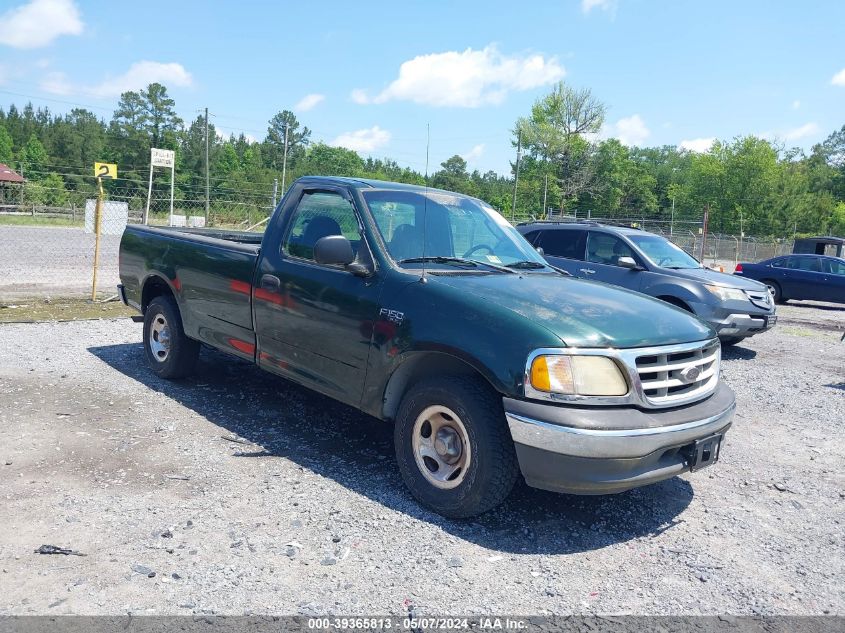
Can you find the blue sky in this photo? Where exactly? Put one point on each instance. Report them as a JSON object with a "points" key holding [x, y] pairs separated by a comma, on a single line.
{"points": [[372, 75]]}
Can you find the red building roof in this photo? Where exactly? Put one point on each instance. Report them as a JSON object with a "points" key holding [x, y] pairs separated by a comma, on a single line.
{"points": [[7, 174]]}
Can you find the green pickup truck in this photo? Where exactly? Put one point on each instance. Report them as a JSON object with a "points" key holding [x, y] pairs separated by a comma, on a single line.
{"points": [[427, 309]]}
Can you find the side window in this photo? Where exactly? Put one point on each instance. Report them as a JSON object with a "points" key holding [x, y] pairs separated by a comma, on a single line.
{"points": [[531, 236], [779, 263], [810, 264], [562, 243], [833, 267], [320, 214], [603, 248]]}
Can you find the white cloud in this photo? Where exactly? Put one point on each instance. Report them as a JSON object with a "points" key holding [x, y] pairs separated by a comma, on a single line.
{"points": [[308, 102], [359, 96], [366, 140], [474, 154], [630, 130], [39, 22], [602, 5], [839, 78], [802, 131], [796, 104], [140, 75], [697, 145], [467, 79], [56, 83]]}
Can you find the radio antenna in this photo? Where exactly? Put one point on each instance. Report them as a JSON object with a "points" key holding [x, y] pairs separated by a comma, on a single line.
{"points": [[425, 199]]}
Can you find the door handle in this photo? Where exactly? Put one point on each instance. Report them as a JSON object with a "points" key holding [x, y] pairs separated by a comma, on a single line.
{"points": [[271, 283], [587, 271]]}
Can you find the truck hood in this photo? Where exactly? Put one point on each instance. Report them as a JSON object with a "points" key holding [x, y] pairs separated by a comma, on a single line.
{"points": [[583, 313], [708, 276]]}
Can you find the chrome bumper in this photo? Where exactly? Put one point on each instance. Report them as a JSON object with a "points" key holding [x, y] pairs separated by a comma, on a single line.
{"points": [[612, 444], [602, 450]]}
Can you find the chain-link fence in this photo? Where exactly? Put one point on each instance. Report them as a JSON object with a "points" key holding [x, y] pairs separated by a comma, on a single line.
{"points": [[48, 250]]}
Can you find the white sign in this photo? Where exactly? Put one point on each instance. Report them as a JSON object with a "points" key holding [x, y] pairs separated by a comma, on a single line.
{"points": [[112, 219], [162, 157]]}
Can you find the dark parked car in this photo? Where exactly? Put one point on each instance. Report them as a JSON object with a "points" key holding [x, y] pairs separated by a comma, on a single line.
{"points": [[811, 277], [651, 264]]}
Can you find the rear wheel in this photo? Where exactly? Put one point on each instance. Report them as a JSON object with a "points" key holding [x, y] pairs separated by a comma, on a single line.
{"points": [[775, 289], [453, 446], [170, 354]]}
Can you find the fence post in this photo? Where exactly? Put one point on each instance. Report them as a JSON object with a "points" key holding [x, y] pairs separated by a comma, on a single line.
{"points": [[98, 209]]}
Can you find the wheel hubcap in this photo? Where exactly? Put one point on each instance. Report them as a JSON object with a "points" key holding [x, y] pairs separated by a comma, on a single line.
{"points": [[160, 338], [441, 447]]}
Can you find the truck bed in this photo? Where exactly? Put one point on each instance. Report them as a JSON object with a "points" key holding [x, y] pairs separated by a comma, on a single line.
{"points": [[210, 273]]}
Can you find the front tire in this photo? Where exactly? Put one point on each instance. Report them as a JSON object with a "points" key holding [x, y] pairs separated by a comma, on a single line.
{"points": [[453, 446], [170, 354], [776, 290]]}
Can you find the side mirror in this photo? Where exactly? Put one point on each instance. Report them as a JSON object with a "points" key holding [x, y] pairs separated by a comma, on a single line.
{"points": [[627, 262], [541, 251], [333, 250]]}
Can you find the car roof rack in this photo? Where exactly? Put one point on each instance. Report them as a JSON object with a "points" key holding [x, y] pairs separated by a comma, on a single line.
{"points": [[624, 225]]}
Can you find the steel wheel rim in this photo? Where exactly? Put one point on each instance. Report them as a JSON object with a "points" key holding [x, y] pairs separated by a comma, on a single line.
{"points": [[441, 447], [159, 338]]}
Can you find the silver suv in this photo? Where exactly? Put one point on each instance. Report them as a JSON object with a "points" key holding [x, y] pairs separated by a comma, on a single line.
{"points": [[736, 307]]}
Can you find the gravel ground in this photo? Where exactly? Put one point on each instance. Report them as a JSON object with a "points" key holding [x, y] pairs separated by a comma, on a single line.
{"points": [[235, 492]]}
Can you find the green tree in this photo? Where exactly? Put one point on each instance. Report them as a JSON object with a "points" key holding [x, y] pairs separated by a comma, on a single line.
{"points": [[454, 176], [559, 132], [325, 160], [6, 154], [274, 143], [34, 158]]}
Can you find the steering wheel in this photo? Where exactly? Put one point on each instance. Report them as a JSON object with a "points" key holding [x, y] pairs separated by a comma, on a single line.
{"points": [[477, 247], [664, 259]]}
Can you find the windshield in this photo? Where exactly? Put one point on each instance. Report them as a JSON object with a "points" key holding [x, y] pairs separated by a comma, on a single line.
{"points": [[661, 252], [455, 227]]}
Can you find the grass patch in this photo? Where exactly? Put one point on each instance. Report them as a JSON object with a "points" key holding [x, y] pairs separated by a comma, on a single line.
{"points": [[39, 220], [70, 309], [810, 333]]}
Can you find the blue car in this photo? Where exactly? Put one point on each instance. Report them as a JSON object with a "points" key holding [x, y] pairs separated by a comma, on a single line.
{"points": [[810, 277]]}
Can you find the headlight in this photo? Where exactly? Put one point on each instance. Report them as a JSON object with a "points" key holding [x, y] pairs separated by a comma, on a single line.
{"points": [[577, 375], [727, 294]]}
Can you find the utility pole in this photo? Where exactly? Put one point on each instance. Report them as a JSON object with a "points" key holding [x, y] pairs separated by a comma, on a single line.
{"points": [[285, 160], [545, 192], [275, 192], [206, 168], [516, 178]]}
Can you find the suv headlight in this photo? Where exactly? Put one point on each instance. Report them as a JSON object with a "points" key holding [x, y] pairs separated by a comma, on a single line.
{"points": [[576, 375], [727, 294]]}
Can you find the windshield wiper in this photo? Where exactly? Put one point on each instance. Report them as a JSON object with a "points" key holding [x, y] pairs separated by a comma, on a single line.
{"points": [[526, 265], [460, 261]]}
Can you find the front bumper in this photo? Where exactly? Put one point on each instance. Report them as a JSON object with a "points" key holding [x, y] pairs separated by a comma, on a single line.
{"points": [[744, 325], [601, 450]]}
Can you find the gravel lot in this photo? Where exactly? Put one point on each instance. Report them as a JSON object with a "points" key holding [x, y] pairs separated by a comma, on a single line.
{"points": [[244, 494]]}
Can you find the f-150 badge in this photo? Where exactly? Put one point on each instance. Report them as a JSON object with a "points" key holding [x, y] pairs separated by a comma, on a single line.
{"points": [[392, 315]]}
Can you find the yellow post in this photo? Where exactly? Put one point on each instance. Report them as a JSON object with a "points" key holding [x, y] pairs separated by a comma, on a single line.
{"points": [[98, 212]]}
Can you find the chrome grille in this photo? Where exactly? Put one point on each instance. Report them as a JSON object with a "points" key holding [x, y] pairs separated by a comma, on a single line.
{"points": [[760, 298], [679, 375]]}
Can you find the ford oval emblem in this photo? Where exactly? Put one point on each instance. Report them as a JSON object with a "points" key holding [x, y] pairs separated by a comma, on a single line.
{"points": [[690, 374]]}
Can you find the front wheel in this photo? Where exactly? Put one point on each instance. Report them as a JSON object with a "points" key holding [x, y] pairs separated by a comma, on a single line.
{"points": [[170, 354], [453, 446], [776, 290]]}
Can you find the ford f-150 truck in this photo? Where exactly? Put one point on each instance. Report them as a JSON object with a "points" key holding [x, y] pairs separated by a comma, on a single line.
{"points": [[427, 309]]}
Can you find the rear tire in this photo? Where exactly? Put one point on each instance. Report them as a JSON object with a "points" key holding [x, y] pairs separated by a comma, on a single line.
{"points": [[453, 446], [777, 291], [170, 354]]}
